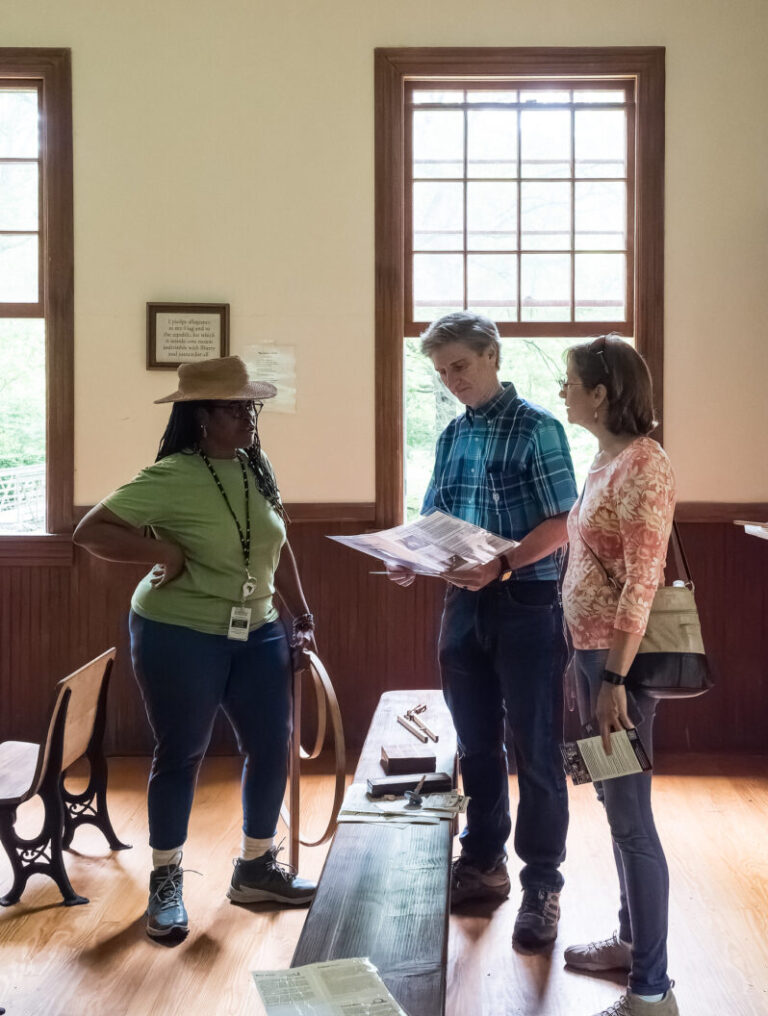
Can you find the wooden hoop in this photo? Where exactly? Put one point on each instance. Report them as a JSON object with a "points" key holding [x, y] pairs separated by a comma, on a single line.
{"points": [[327, 704]]}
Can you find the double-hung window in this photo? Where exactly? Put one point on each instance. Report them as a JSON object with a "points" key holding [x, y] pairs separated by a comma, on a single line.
{"points": [[524, 185], [36, 301]]}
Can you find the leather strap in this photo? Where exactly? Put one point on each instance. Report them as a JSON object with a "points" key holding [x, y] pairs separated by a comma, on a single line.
{"points": [[308, 663], [675, 543]]}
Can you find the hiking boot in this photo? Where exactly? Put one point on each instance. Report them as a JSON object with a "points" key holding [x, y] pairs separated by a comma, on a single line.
{"points": [[609, 954], [265, 878], [471, 882], [536, 923], [633, 1005], [166, 914]]}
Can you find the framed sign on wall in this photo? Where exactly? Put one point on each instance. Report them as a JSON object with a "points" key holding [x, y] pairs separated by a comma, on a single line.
{"points": [[185, 333]]}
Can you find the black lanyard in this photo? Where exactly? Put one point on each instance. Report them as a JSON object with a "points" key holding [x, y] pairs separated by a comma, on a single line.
{"points": [[245, 541]]}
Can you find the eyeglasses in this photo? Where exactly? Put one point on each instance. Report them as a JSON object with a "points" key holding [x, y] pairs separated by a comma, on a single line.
{"points": [[598, 347], [239, 409], [563, 382]]}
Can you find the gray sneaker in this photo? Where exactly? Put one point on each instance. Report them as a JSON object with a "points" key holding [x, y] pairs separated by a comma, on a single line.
{"points": [[470, 882], [265, 878], [166, 914], [536, 923], [633, 1005], [609, 954]]}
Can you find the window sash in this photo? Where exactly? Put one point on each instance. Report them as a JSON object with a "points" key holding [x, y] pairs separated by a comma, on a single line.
{"points": [[394, 70], [30, 308], [49, 70], [414, 325]]}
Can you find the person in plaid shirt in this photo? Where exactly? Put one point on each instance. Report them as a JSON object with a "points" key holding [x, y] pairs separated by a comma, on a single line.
{"points": [[504, 464]]}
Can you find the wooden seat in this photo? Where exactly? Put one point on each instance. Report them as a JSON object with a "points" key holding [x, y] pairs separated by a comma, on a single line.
{"points": [[76, 729], [385, 891]]}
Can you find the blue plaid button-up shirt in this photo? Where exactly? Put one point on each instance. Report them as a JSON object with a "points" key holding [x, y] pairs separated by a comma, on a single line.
{"points": [[505, 466]]}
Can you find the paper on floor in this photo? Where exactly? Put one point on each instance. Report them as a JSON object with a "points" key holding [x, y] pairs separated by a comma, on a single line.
{"points": [[349, 987]]}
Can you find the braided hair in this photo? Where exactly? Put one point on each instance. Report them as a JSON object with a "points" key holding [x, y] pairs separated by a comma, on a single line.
{"points": [[182, 434]]}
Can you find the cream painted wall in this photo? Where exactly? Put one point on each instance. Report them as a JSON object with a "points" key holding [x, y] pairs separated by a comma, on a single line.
{"points": [[225, 153]]}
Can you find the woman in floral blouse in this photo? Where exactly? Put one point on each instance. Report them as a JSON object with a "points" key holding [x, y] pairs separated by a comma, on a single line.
{"points": [[619, 528]]}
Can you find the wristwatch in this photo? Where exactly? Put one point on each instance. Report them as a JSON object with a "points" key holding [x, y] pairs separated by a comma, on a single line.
{"points": [[611, 677], [505, 573]]}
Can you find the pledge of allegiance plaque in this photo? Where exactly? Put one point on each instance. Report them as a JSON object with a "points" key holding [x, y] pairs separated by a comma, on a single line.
{"points": [[186, 333]]}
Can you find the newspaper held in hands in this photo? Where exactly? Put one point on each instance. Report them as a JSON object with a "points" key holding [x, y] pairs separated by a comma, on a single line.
{"points": [[432, 545], [586, 761], [350, 987]]}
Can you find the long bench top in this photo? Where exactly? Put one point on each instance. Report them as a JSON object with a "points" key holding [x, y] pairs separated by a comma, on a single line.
{"points": [[384, 890]]}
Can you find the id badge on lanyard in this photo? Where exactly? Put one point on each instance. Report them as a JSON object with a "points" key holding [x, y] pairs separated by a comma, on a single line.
{"points": [[239, 623], [240, 617]]}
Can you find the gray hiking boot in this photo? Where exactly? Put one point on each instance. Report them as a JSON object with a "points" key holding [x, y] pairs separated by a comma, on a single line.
{"points": [[166, 914], [265, 878], [536, 923], [633, 1005], [608, 954], [471, 882]]}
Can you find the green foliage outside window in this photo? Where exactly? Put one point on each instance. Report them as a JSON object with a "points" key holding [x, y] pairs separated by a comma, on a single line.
{"points": [[22, 393], [533, 365]]}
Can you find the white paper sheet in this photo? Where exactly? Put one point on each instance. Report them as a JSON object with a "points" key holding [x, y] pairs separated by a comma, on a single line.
{"points": [[358, 807], [350, 987], [276, 364], [761, 531], [621, 762]]}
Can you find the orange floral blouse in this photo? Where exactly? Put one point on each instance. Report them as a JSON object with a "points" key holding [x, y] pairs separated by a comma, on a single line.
{"points": [[625, 515]]}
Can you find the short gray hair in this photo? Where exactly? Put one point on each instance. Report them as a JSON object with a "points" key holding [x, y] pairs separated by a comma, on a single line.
{"points": [[473, 330]]}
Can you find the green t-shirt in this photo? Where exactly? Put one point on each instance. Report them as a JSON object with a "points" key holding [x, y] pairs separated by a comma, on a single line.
{"points": [[179, 499]]}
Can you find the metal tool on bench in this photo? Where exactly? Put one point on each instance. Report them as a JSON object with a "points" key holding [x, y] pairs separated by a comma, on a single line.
{"points": [[411, 715], [415, 725], [414, 797], [412, 729]]}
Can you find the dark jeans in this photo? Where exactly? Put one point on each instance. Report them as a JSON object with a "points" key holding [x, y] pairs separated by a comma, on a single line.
{"points": [[185, 676], [502, 649], [640, 861]]}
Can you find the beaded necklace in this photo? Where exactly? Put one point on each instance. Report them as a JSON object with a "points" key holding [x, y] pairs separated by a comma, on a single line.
{"points": [[245, 539]]}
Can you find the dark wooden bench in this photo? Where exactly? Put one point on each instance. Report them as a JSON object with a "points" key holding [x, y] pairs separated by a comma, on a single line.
{"points": [[384, 891]]}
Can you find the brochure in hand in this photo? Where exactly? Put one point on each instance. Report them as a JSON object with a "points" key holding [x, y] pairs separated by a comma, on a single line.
{"points": [[586, 761]]}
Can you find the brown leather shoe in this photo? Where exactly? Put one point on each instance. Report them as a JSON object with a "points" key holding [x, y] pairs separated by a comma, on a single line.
{"points": [[470, 882], [536, 924]]}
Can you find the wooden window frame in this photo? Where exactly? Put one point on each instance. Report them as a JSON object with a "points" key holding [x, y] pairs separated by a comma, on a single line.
{"points": [[393, 69], [50, 70]]}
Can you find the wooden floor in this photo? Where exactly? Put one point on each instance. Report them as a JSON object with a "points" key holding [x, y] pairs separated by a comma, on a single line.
{"points": [[95, 960]]}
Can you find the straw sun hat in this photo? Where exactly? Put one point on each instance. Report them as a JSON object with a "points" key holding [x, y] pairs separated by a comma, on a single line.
{"points": [[224, 378]]}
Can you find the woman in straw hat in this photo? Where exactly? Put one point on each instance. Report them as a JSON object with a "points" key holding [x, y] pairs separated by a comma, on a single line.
{"points": [[205, 632]]}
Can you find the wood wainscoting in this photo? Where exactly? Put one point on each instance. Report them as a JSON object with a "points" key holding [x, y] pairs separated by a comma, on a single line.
{"points": [[373, 635]]}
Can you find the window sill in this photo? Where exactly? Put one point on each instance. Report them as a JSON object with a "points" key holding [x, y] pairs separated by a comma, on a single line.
{"points": [[30, 550]]}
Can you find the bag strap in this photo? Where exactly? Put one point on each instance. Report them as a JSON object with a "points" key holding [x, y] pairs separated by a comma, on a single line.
{"points": [[608, 577], [681, 561], [675, 542]]}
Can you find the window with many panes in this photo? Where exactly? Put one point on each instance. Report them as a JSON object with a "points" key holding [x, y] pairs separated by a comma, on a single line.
{"points": [[35, 293], [516, 195]]}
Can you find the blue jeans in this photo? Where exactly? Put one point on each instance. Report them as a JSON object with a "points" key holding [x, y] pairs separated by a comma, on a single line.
{"points": [[185, 676], [502, 650], [640, 861]]}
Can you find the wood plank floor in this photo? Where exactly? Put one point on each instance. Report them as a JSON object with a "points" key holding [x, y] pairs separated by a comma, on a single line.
{"points": [[95, 960]]}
